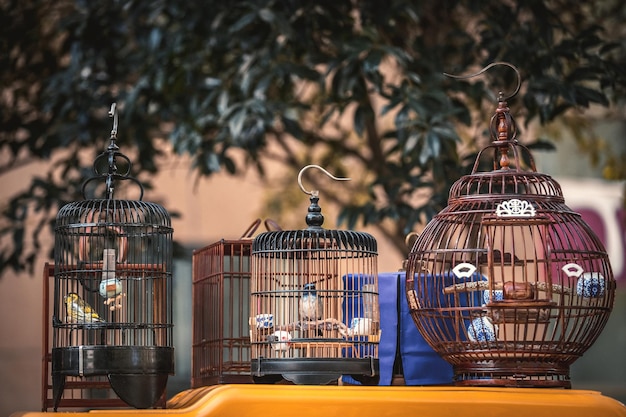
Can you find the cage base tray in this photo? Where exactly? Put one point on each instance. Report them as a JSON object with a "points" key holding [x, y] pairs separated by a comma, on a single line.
{"points": [[512, 373], [137, 374], [314, 371]]}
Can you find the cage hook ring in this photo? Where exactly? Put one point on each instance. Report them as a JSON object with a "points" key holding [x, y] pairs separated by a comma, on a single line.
{"points": [[410, 238], [316, 192], [493, 64]]}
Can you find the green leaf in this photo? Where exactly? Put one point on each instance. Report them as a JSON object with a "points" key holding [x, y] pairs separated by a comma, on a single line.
{"points": [[243, 21], [359, 120], [212, 162], [236, 121], [292, 127], [372, 60]]}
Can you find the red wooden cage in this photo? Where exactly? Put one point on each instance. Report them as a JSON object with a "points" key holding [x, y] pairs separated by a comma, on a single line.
{"points": [[221, 294]]}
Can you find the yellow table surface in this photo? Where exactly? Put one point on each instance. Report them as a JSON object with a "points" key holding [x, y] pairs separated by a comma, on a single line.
{"points": [[249, 400]]}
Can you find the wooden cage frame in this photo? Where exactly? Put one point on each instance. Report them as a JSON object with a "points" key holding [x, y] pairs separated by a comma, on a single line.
{"points": [[220, 341]]}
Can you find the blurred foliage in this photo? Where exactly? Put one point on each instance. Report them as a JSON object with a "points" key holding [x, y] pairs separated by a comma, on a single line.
{"points": [[353, 85]]}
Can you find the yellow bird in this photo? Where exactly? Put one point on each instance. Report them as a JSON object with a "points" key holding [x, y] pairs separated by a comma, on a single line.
{"points": [[78, 311]]}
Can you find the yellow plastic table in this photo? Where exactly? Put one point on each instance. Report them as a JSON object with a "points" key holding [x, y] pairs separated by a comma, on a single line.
{"points": [[250, 400]]}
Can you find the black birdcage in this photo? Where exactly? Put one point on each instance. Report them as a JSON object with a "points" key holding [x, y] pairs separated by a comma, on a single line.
{"points": [[507, 283], [314, 303], [112, 311]]}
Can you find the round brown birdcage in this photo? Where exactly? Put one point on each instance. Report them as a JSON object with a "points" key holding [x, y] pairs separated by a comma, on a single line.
{"points": [[314, 303], [113, 289], [507, 283]]}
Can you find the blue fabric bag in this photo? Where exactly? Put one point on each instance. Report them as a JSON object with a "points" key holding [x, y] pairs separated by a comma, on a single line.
{"points": [[400, 339]]}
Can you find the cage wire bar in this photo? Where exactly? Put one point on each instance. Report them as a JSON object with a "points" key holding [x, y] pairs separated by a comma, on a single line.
{"points": [[507, 283], [112, 312], [314, 303]]}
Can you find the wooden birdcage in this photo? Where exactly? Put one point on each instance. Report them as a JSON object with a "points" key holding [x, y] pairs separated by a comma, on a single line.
{"points": [[314, 303], [221, 302], [507, 283], [112, 307]]}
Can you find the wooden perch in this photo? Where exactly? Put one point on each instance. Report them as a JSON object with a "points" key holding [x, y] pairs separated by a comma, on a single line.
{"points": [[326, 324], [484, 285]]}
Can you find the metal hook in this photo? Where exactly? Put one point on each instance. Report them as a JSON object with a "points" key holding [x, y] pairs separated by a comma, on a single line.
{"points": [[410, 239], [315, 192], [113, 114], [493, 64]]}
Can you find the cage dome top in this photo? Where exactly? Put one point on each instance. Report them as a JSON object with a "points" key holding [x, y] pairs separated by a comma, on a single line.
{"points": [[112, 166], [514, 171]]}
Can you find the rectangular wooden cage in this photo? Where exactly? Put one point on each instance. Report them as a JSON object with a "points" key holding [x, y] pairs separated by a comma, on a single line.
{"points": [[221, 291]]}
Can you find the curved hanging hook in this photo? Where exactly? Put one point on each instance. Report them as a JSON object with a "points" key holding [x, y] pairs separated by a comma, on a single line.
{"points": [[493, 64], [113, 114], [112, 155], [316, 192], [410, 239]]}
